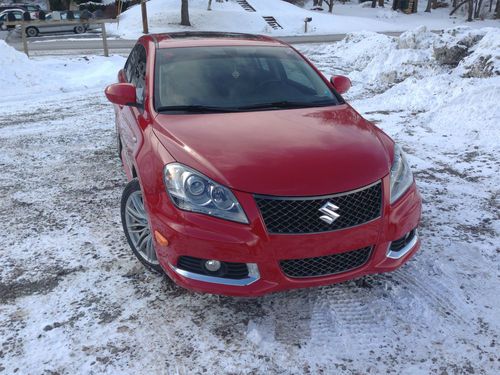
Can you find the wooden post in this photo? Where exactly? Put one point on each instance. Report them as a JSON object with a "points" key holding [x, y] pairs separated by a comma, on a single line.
{"points": [[144, 17], [23, 36], [105, 40]]}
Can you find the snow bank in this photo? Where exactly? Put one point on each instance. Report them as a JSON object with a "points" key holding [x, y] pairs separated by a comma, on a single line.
{"points": [[21, 77], [411, 73], [164, 16]]}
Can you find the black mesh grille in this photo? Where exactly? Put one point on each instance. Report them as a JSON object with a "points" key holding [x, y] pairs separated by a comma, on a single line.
{"points": [[326, 265], [289, 215], [228, 270]]}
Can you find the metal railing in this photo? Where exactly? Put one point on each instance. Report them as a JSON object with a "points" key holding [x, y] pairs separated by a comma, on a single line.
{"points": [[34, 23]]}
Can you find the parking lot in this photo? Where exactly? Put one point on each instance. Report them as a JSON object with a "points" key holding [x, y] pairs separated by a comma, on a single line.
{"points": [[75, 300]]}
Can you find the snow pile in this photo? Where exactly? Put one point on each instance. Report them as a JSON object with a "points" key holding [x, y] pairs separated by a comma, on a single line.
{"points": [[164, 16], [379, 62], [26, 77], [450, 97], [16, 69], [484, 61]]}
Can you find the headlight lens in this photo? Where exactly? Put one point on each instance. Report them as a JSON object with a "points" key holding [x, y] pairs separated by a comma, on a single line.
{"points": [[192, 191], [401, 176]]}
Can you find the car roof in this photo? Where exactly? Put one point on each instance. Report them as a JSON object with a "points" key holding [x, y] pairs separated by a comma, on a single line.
{"points": [[210, 38], [12, 10]]}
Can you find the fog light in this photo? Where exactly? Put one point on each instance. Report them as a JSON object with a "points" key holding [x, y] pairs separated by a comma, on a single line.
{"points": [[212, 265]]}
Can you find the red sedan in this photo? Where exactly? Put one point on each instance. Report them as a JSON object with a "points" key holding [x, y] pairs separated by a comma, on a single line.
{"points": [[249, 173]]}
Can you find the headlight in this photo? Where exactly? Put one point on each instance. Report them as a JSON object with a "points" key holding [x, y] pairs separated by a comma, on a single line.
{"points": [[192, 191], [401, 176]]}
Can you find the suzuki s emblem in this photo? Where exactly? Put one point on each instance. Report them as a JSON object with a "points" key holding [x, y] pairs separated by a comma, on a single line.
{"points": [[329, 213]]}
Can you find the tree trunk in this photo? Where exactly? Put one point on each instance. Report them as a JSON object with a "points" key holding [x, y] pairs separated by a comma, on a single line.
{"points": [[395, 4], [428, 8], [479, 5], [185, 13], [209, 5], [469, 10], [381, 3], [497, 10], [374, 3]]}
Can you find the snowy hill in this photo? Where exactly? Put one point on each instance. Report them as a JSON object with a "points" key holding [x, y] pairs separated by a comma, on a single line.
{"points": [[164, 16]]}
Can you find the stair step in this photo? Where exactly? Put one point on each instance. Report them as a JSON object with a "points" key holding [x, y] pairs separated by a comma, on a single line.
{"points": [[271, 21], [245, 5]]}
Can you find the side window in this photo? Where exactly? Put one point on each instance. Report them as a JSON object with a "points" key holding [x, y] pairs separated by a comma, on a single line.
{"points": [[130, 64], [139, 78], [135, 70]]}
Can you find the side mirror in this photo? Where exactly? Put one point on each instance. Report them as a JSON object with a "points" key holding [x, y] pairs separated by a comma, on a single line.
{"points": [[121, 94], [341, 83]]}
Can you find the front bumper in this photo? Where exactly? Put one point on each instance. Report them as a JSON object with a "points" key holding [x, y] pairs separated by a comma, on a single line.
{"points": [[201, 236]]}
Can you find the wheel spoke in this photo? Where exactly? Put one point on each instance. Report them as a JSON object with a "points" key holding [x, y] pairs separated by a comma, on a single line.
{"points": [[138, 204], [139, 231], [141, 241], [151, 249], [135, 214]]}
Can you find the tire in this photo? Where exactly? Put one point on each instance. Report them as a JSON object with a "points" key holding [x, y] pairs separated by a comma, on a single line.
{"points": [[32, 31], [80, 29], [136, 226]]}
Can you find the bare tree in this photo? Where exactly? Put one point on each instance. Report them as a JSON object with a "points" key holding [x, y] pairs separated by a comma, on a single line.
{"points": [[477, 10], [330, 5], [185, 13], [395, 4], [470, 8], [497, 10], [429, 5], [457, 7]]}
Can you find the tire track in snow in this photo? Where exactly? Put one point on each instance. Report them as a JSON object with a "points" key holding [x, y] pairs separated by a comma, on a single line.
{"points": [[433, 293]]}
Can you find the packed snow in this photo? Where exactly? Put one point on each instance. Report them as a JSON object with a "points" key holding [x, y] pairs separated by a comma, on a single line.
{"points": [[164, 16], [75, 300], [20, 76]]}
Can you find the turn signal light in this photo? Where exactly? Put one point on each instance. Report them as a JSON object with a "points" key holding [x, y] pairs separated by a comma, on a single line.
{"points": [[161, 239]]}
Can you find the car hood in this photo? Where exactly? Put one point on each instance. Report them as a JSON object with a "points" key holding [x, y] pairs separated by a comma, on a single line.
{"points": [[296, 152]]}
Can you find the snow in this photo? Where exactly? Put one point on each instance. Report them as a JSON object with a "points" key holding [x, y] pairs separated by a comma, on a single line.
{"points": [[164, 16], [23, 76], [75, 300]]}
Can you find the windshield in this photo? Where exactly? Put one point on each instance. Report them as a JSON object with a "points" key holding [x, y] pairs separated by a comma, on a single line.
{"points": [[236, 78]]}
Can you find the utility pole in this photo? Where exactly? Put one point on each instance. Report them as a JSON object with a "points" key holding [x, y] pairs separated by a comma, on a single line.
{"points": [[144, 12]]}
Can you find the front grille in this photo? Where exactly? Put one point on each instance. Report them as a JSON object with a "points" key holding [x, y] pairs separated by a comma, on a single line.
{"points": [[291, 215], [228, 270], [326, 265]]}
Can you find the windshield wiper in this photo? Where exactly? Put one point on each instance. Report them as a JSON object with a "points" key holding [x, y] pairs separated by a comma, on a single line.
{"points": [[195, 108], [288, 104]]}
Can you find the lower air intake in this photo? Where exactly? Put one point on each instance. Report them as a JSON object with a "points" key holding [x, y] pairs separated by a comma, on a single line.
{"points": [[326, 265]]}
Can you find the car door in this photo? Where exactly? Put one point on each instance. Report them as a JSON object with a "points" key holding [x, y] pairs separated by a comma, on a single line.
{"points": [[129, 126]]}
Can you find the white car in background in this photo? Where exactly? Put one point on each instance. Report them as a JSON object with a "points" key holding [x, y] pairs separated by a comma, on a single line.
{"points": [[52, 25], [18, 14]]}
